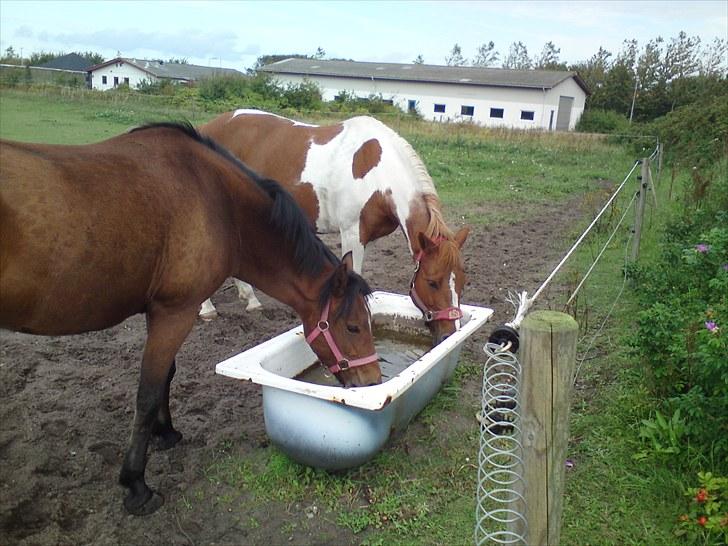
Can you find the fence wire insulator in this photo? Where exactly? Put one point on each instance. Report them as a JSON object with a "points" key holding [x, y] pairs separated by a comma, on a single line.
{"points": [[500, 456]]}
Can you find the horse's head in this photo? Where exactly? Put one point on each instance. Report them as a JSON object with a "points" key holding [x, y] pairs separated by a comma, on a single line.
{"points": [[438, 282], [341, 335]]}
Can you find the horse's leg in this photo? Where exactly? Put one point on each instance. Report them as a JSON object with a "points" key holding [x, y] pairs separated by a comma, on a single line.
{"points": [[245, 293], [350, 242], [165, 333], [165, 433], [207, 310]]}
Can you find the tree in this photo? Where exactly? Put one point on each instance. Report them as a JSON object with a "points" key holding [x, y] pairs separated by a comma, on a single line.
{"points": [[456, 57], [93, 58], [714, 59], [175, 60], [486, 55], [682, 56], [419, 59], [652, 82], [517, 57], [10, 57], [549, 58], [320, 53], [270, 59]]}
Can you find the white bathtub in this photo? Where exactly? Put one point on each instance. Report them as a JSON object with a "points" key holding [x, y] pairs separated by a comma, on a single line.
{"points": [[333, 427]]}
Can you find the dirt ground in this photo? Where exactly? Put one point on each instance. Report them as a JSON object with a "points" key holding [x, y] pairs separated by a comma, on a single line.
{"points": [[66, 406]]}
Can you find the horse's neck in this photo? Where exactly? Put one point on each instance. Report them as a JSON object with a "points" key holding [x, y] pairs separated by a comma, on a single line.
{"points": [[416, 221]]}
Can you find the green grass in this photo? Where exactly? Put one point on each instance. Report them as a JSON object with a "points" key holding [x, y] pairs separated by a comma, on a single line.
{"points": [[421, 489], [80, 117], [611, 496]]}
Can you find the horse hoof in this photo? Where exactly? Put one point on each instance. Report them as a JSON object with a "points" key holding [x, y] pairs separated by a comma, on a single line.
{"points": [[210, 315], [148, 504], [168, 440]]}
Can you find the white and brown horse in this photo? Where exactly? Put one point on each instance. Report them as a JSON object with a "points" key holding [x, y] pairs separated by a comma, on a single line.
{"points": [[360, 179], [153, 222]]}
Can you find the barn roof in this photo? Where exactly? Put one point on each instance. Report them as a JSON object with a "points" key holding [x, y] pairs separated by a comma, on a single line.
{"points": [[173, 71], [462, 75], [71, 61]]}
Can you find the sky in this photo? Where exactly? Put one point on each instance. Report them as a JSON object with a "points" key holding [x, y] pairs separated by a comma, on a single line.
{"points": [[234, 34]]}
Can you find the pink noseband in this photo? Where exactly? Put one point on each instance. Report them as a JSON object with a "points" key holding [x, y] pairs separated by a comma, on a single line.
{"points": [[342, 363], [449, 313]]}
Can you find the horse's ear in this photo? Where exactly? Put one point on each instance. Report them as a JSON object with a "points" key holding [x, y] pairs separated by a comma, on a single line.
{"points": [[348, 261], [461, 235], [341, 275], [426, 244]]}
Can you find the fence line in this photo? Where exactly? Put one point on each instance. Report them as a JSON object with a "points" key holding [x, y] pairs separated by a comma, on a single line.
{"points": [[525, 481]]}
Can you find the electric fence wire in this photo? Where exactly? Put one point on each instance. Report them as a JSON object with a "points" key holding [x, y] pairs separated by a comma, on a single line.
{"points": [[526, 302]]}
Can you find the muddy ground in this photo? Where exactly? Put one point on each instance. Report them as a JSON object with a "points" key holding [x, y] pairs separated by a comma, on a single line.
{"points": [[66, 406]]}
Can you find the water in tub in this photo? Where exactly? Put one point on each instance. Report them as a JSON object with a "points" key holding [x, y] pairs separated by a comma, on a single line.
{"points": [[396, 350]]}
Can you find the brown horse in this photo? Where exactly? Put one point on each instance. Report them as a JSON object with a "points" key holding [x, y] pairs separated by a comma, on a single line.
{"points": [[153, 222], [360, 179]]}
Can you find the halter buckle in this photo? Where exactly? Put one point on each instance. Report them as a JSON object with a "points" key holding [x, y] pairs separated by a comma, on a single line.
{"points": [[343, 364], [323, 325], [429, 315]]}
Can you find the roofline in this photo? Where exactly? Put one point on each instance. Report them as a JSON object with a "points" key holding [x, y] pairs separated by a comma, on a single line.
{"points": [[123, 60], [567, 75]]}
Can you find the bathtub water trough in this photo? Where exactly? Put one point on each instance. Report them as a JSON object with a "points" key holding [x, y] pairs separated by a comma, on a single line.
{"points": [[330, 427]]}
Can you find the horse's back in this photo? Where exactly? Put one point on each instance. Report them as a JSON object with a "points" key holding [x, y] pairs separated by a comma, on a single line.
{"points": [[91, 233]]}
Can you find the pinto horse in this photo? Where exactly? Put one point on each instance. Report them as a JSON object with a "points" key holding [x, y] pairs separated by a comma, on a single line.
{"points": [[359, 178], [153, 221]]}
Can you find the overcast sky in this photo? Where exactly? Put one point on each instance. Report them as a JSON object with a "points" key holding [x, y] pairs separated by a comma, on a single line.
{"points": [[233, 34]]}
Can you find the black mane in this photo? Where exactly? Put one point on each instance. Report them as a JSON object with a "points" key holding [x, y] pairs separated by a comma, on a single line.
{"points": [[310, 253]]}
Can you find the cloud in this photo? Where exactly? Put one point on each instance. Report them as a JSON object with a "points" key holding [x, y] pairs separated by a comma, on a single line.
{"points": [[182, 43], [23, 32]]}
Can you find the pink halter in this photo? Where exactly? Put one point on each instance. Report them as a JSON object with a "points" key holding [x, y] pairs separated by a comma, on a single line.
{"points": [[342, 363], [449, 313]]}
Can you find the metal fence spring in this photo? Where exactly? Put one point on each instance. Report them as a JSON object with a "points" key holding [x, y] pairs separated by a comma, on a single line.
{"points": [[500, 456]]}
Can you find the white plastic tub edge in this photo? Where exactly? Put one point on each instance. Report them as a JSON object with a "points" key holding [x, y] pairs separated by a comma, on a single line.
{"points": [[248, 365]]}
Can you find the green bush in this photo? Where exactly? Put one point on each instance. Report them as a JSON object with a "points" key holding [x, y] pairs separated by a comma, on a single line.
{"points": [[696, 135], [682, 330], [602, 121]]}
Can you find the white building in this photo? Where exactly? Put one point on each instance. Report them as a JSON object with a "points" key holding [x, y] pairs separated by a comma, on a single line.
{"points": [[132, 72], [522, 99]]}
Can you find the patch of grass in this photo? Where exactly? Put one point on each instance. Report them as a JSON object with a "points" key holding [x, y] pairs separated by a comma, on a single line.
{"points": [[80, 117]]}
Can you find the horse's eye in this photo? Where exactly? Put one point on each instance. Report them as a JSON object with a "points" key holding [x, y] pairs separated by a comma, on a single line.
{"points": [[352, 328], [433, 284]]}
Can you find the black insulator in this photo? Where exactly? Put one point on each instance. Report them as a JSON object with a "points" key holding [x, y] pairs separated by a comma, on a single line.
{"points": [[504, 335]]}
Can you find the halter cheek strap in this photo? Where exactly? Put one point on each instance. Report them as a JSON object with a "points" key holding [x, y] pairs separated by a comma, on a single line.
{"points": [[342, 363], [449, 313]]}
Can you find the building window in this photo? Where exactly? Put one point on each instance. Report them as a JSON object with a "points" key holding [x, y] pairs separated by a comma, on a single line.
{"points": [[440, 108], [103, 80], [467, 110], [496, 113], [116, 81], [527, 115], [411, 105], [126, 81]]}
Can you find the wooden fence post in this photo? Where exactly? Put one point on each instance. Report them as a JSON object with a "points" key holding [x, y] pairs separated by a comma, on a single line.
{"points": [[640, 207], [548, 358]]}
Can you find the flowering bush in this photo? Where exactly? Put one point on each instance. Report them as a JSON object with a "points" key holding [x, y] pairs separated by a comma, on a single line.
{"points": [[682, 331], [706, 521]]}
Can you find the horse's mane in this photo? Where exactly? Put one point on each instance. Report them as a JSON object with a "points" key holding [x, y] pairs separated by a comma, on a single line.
{"points": [[436, 228], [310, 253]]}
